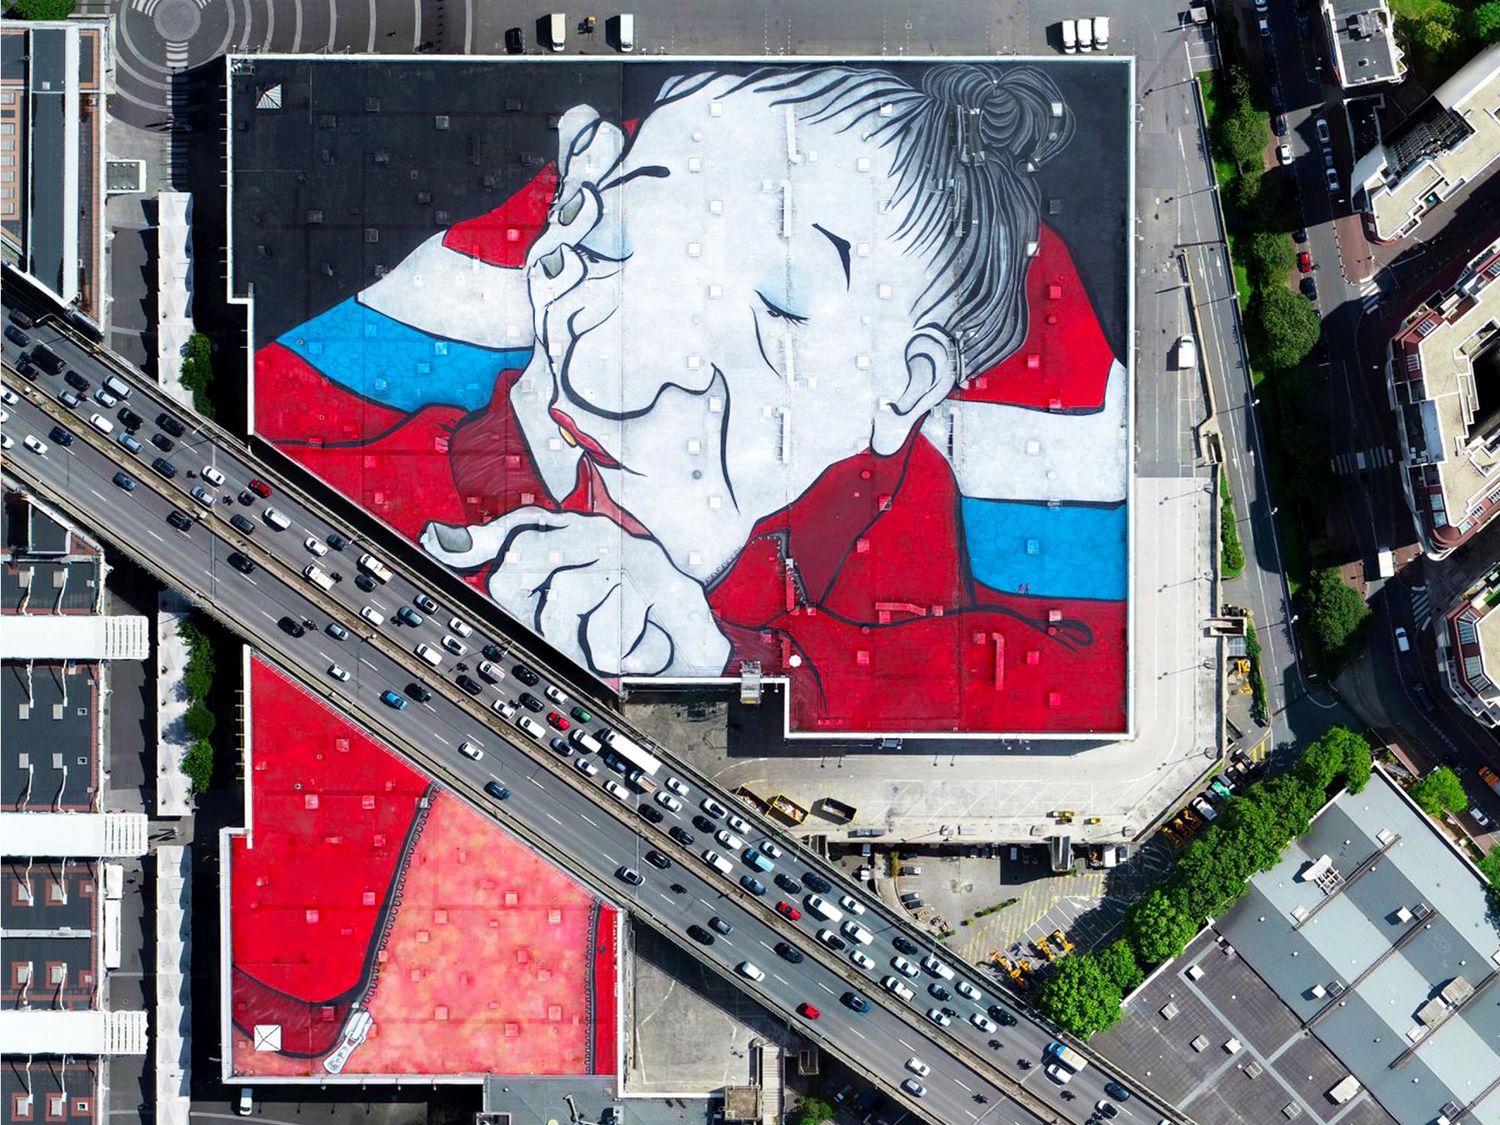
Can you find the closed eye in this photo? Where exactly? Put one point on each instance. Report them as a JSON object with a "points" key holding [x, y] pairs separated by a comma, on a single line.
{"points": [[777, 311], [589, 255]]}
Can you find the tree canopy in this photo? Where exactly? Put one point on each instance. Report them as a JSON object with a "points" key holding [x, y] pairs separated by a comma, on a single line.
{"points": [[1158, 928], [1338, 613], [811, 1111], [1078, 995], [1117, 962], [1440, 792], [1287, 326], [41, 9]]}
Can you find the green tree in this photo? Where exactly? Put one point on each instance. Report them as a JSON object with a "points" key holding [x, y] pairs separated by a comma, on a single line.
{"points": [[1231, 550], [200, 721], [1489, 866], [1157, 928], [1338, 613], [198, 764], [1118, 963], [198, 372], [1431, 26], [1288, 802], [1356, 762], [1286, 326], [198, 676], [42, 9], [1440, 792], [1079, 997], [811, 1111], [1484, 23], [1272, 257], [1210, 874], [1251, 830]]}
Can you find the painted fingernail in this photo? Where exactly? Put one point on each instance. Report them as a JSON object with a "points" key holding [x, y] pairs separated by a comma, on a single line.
{"points": [[454, 540], [552, 264], [570, 209]]}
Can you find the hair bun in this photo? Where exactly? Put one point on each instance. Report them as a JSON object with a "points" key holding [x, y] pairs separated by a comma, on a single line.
{"points": [[1018, 110]]}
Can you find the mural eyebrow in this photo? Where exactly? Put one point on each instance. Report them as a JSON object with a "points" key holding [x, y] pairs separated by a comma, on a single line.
{"points": [[655, 171], [839, 244]]}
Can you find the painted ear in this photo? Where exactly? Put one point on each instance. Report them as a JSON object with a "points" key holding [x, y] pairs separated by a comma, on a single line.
{"points": [[931, 373]]}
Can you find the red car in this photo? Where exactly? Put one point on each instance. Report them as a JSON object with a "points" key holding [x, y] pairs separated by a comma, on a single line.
{"points": [[807, 1010], [787, 910], [260, 488], [557, 720], [1304, 262]]}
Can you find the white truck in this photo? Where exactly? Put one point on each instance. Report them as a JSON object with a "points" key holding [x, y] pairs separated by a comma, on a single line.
{"points": [[374, 567], [1101, 32], [1070, 36], [1086, 33], [316, 576]]}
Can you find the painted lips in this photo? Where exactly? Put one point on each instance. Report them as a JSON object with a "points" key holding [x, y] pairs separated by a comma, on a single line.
{"points": [[572, 434]]}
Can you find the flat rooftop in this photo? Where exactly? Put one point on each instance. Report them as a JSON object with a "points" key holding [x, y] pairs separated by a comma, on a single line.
{"points": [[41, 1089], [1451, 434], [1449, 141], [49, 736], [379, 926], [46, 564], [1372, 935], [962, 568], [1364, 45]]}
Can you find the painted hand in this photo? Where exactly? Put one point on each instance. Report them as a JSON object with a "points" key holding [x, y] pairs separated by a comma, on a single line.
{"points": [[613, 602]]}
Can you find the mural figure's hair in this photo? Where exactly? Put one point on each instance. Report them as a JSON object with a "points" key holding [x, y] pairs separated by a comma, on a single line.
{"points": [[965, 146]]}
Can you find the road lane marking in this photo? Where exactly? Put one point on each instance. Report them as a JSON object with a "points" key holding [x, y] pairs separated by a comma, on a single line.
{"points": [[368, 665], [441, 739], [853, 1031], [267, 616], [553, 819], [960, 1081], [825, 988], [905, 1044], [590, 819], [779, 977], [535, 782]]}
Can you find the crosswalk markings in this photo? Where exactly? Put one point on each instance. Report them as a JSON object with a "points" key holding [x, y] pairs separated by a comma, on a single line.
{"points": [[1421, 607], [1361, 460]]}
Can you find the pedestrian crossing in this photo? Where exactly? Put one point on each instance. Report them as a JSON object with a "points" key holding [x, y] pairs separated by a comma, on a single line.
{"points": [[1362, 460], [1421, 607], [1369, 293]]}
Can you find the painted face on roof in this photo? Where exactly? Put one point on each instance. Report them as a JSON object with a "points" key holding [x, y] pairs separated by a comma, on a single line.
{"points": [[725, 306]]}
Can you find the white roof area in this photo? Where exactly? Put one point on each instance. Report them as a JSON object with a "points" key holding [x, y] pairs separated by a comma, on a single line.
{"points": [[84, 1032], [68, 835], [174, 282], [61, 636]]}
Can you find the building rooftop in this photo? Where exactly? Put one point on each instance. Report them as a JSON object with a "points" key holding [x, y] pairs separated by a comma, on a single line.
{"points": [[50, 729], [1469, 650], [52, 154], [1451, 140], [47, 1090], [1364, 46], [48, 894], [54, 972], [1449, 429], [46, 564]]}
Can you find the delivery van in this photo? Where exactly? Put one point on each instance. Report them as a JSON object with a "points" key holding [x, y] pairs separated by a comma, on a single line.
{"points": [[317, 577], [627, 31], [374, 567], [276, 519], [557, 28], [1070, 37], [824, 909], [430, 654]]}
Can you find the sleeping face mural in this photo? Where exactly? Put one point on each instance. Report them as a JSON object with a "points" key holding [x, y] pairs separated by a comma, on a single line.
{"points": [[743, 313]]}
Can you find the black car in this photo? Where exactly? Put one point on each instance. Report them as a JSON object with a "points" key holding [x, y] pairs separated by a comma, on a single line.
{"points": [[700, 935], [790, 953], [419, 692], [362, 580], [246, 497], [856, 1001], [1299, 236], [47, 359], [657, 860], [493, 652], [16, 336], [21, 320], [704, 824], [77, 382], [241, 524], [788, 884], [164, 467], [469, 684], [163, 442], [526, 676], [1309, 287], [629, 875], [1003, 1016], [529, 701], [680, 834], [292, 626], [752, 884], [241, 563], [170, 424], [180, 520], [1116, 1091], [646, 812], [336, 631], [336, 541], [130, 419], [61, 436], [904, 944], [720, 925], [1278, 124], [816, 882], [124, 481], [497, 791], [939, 992], [515, 41], [408, 616]]}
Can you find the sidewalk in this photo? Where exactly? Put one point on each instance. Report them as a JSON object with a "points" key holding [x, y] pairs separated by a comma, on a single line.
{"points": [[173, 792]]}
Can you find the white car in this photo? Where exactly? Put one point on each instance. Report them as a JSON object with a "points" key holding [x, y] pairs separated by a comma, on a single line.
{"points": [[739, 824], [830, 939], [1332, 179], [470, 750], [967, 989], [1187, 352], [105, 399], [339, 673], [585, 766], [852, 904], [1283, 154], [749, 969], [770, 849], [1403, 642], [1321, 125], [729, 840], [31, 442], [461, 627], [315, 545], [8, 395], [678, 787], [983, 1023], [372, 614], [616, 790], [711, 807], [939, 1017], [862, 959], [903, 966], [914, 1088], [917, 1066], [555, 695], [1480, 819], [6, 441], [454, 645], [212, 475], [667, 801], [246, 1103]]}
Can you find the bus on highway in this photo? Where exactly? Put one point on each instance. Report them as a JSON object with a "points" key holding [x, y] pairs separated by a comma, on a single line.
{"points": [[633, 755], [1066, 1055]]}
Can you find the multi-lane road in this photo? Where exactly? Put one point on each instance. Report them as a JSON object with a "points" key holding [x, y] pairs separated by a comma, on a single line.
{"points": [[977, 1070]]}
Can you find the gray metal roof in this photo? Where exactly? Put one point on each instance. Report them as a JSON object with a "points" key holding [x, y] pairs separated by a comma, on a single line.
{"points": [[1361, 31], [49, 751]]}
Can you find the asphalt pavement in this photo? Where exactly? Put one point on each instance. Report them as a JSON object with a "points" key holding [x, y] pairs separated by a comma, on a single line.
{"points": [[552, 805]]}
